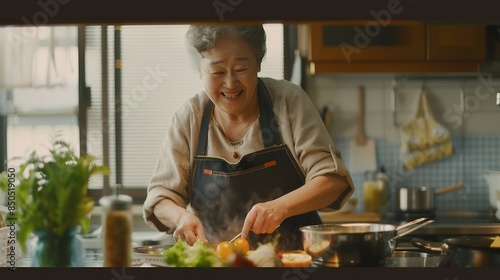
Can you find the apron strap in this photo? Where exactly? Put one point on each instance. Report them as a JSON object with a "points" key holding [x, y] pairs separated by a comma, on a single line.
{"points": [[270, 133], [202, 145]]}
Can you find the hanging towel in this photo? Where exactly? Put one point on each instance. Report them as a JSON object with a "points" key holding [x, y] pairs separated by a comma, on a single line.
{"points": [[423, 140]]}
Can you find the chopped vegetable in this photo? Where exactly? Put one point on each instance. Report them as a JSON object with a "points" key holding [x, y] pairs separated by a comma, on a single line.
{"points": [[242, 245], [198, 255], [224, 249], [265, 256], [201, 255]]}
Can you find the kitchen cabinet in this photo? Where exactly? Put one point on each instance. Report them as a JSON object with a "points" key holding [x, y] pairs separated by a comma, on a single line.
{"points": [[456, 42], [400, 46], [356, 41]]}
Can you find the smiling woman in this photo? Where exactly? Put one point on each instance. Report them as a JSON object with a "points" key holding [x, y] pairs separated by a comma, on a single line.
{"points": [[156, 76]]}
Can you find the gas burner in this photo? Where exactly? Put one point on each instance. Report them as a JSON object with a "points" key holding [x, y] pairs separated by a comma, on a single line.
{"points": [[404, 217]]}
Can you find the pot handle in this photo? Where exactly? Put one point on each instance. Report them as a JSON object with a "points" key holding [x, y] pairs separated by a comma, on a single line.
{"points": [[413, 229], [426, 246], [416, 221], [449, 189]]}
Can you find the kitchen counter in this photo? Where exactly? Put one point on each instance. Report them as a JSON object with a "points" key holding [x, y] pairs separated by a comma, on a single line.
{"points": [[456, 223], [445, 223], [449, 225], [459, 228]]}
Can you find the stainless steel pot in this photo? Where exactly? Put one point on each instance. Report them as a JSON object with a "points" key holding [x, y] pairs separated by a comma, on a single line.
{"points": [[420, 199], [463, 251], [354, 244]]}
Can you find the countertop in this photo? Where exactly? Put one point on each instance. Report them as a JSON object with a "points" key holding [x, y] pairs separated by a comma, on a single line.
{"points": [[456, 224]]}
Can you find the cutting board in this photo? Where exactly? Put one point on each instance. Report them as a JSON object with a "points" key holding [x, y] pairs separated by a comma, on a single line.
{"points": [[362, 155]]}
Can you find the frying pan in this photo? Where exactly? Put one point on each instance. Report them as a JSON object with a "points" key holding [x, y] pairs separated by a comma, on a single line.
{"points": [[420, 199], [354, 244], [463, 251]]}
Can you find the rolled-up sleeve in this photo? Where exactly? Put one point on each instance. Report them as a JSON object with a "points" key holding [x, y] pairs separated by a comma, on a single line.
{"points": [[304, 132], [171, 174]]}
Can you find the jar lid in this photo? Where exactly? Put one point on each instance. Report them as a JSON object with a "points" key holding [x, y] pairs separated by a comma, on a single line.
{"points": [[116, 202]]}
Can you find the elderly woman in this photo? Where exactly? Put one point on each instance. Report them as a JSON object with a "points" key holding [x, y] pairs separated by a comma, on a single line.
{"points": [[247, 155]]}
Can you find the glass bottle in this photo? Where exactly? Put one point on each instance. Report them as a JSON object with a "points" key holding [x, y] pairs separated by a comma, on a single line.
{"points": [[117, 230]]}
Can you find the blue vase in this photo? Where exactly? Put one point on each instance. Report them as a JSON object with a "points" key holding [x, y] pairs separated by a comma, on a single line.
{"points": [[52, 250]]}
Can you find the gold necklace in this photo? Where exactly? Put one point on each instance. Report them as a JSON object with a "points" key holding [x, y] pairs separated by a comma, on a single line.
{"points": [[234, 144]]}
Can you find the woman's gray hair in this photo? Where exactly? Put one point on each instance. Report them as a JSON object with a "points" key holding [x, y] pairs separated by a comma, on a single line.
{"points": [[200, 38]]}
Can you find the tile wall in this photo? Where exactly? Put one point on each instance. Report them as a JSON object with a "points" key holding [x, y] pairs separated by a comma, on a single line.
{"points": [[464, 104]]}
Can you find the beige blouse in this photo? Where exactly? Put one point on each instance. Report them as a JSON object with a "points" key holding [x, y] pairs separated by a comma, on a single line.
{"points": [[299, 122]]}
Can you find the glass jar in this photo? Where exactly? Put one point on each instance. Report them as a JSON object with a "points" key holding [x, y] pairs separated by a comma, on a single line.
{"points": [[117, 230]]}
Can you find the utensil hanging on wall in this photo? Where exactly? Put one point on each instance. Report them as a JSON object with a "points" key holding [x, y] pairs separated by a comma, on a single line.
{"points": [[362, 156]]}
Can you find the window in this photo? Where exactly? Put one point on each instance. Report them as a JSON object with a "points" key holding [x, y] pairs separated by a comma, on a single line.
{"points": [[38, 88], [155, 76]]}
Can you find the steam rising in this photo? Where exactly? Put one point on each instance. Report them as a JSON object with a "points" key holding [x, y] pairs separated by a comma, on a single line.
{"points": [[227, 214]]}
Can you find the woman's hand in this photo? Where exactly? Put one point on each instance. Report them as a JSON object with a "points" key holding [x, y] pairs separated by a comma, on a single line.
{"points": [[319, 192], [187, 225], [263, 218], [189, 228]]}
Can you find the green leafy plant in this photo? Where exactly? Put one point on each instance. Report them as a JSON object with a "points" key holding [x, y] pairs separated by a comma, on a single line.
{"points": [[51, 192]]}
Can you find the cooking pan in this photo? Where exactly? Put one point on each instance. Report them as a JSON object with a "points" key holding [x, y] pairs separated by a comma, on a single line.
{"points": [[463, 251], [354, 244], [420, 199]]}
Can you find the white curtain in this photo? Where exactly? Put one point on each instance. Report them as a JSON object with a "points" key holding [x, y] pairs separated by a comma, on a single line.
{"points": [[37, 56]]}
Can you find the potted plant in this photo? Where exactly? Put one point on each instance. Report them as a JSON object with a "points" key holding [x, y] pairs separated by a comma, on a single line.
{"points": [[52, 202]]}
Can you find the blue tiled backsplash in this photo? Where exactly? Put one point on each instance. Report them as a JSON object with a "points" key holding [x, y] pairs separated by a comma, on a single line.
{"points": [[472, 157]]}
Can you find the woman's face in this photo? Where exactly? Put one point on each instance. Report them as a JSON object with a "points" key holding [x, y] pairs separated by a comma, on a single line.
{"points": [[229, 76]]}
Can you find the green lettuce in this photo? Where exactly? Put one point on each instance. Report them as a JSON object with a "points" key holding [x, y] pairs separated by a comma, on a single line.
{"points": [[197, 255]]}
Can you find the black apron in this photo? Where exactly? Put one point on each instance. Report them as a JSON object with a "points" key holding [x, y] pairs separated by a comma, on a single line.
{"points": [[223, 193]]}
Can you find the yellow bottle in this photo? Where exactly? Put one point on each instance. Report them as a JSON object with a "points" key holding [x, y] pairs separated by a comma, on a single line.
{"points": [[117, 229], [371, 196], [375, 193]]}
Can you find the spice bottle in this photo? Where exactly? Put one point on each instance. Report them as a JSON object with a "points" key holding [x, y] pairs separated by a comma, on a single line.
{"points": [[375, 192], [117, 230], [371, 197], [383, 181]]}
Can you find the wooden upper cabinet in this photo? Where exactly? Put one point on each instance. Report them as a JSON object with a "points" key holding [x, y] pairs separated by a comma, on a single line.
{"points": [[400, 46], [456, 42], [367, 41]]}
